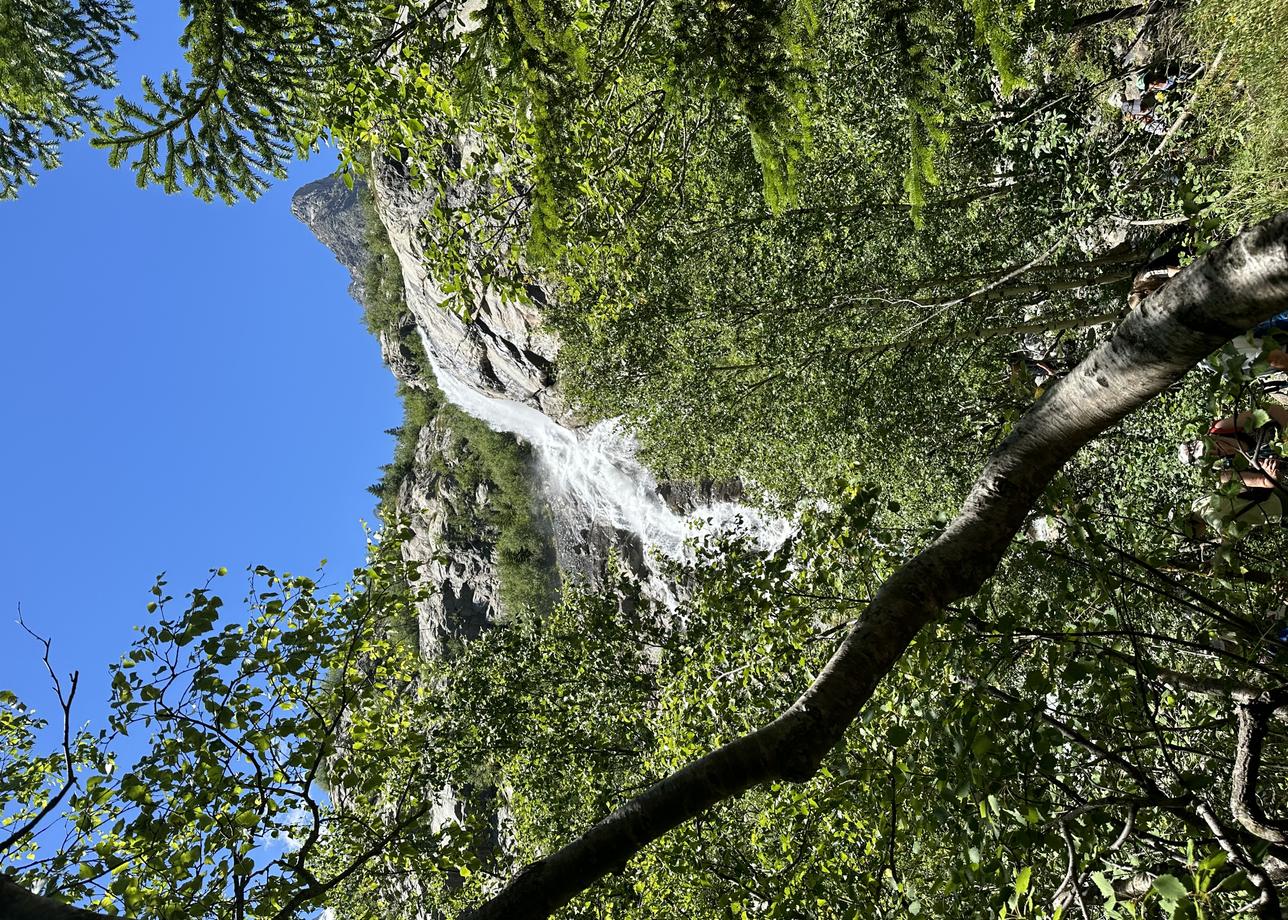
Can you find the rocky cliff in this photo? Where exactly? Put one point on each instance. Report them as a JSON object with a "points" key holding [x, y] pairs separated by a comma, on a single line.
{"points": [[504, 350], [592, 499], [449, 491], [333, 212], [496, 519], [431, 491]]}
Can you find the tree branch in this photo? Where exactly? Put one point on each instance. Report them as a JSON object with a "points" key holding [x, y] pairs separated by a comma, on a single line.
{"points": [[1253, 715], [1118, 14], [17, 903], [1219, 296], [65, 704], [1267, 903]]}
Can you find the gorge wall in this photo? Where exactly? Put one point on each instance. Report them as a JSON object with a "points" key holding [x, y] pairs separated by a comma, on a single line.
{"points": [[590, 498], [442, 489], [504, 492]]}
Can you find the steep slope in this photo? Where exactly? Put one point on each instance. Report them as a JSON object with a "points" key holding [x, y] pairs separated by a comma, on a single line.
{"points": [[504, 350], [460, 487], [584, 486]]}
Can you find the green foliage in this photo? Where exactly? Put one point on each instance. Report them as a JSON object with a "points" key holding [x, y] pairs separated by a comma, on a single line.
{"points": [[258, 74], [803, 250], [478, 462], [476, 458], [54, 54], [998, 27], [243, 719], [384, 312], [1085, 691], [383, 301], [756, 56], [32, 784], [497, 463], [419, 409], [1101, 703], [735, 339], [1244, 104], [571, 115], [784, 344]]}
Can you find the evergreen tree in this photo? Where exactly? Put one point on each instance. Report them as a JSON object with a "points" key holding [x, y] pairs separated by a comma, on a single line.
{"points": [[249, 105], [54, 55]]}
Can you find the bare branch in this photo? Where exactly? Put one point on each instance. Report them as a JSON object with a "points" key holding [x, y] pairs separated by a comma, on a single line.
{"points": [[1267, 903], [65, 704]]}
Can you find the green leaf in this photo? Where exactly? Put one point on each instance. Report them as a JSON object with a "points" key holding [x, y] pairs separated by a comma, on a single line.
{"points": [[1171, 890], [1103, 883], [246, 819], [1256, 419]]}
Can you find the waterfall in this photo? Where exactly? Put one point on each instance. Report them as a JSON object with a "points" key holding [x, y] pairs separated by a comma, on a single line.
{"points": [[595, 473]]}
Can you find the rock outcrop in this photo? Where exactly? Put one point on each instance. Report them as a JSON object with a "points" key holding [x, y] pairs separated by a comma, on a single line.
{"points": [[333, 211], [597, 502], [504, 350], [460, 562]]}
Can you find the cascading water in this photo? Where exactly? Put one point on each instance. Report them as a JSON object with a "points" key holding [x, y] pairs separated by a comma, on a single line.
{"points": [[595, 475]]}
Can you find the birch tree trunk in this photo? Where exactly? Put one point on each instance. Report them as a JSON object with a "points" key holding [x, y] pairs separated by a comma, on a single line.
{"points": [[1228, 291]]}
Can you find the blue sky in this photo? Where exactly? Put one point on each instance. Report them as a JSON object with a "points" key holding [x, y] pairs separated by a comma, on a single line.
{"points": [[185, 386]]}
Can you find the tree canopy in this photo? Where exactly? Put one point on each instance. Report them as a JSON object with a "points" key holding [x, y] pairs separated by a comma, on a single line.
{"points": [[889, 264], [53, 56]]}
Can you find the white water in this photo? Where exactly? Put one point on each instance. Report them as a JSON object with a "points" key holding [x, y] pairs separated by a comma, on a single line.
{"points": [[597, 473]]}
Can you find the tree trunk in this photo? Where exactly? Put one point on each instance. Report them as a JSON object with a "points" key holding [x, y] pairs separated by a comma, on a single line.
{"points": [[1116, 14], [1218, 297], [17, 903]]}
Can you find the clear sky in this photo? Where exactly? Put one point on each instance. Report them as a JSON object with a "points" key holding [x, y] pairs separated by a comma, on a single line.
{"points": [[182, 386]]}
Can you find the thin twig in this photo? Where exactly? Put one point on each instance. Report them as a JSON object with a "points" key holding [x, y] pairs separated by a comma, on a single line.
{"points": [[64, 703]]}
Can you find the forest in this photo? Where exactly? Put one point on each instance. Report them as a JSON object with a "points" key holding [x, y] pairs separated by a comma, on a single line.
{"points": [[986, 302]]}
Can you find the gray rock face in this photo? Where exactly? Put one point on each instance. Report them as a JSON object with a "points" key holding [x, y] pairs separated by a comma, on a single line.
{"points": [[333, 212], [583, 546], [461, 571], [505, 351], [687, 497], [459, 562]]}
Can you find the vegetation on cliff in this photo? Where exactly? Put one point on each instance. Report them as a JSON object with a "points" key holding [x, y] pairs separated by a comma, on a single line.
{"points": [[506, 513]]}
